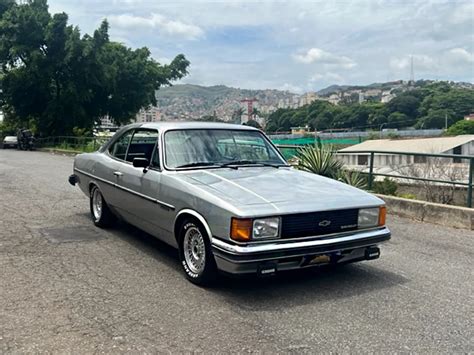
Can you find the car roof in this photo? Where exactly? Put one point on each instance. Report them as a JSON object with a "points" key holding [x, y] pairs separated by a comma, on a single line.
{"points": [[169, 125]]}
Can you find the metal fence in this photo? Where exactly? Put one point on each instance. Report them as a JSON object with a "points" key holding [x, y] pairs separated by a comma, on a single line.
{"points": [[90, 144], [452, 157], [289, 151], [79, 144]]}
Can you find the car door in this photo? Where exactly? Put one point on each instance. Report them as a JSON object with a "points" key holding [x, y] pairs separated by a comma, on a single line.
{"points": [[142, 186], [107, 169]]}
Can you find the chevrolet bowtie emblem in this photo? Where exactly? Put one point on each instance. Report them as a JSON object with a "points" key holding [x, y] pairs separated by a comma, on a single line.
{"points": [[324, 223]]}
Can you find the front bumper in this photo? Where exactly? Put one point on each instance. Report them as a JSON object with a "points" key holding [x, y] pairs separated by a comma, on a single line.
{"points": [[291, 254]]}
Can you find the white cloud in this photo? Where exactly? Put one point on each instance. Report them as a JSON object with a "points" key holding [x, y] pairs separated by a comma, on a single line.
{"points": [[461, 55], [159, 22], [317, 55], [420, 62], [463, 13], [326, 77]]}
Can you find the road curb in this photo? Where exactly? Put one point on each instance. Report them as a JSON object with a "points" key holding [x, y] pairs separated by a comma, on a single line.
{"points": [[446, 215]]}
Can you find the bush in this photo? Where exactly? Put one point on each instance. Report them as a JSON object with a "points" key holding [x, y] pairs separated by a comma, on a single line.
{"points": [[385, 187], [461, 127], [353, 178], [319, 160]]}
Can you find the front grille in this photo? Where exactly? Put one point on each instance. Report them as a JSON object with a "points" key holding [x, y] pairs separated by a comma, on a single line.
{"points": [[318, 223]]}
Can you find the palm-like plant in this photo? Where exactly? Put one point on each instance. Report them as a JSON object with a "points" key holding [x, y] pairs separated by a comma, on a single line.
{"points": [[353, 178], [319, 160]]}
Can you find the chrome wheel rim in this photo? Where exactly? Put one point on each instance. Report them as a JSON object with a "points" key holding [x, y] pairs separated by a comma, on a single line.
{"points": [[96, 204], [194, 250]]}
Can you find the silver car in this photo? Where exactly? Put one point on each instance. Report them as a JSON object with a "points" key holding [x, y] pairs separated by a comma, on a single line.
{"points": [[10, 142], [227, 199]]}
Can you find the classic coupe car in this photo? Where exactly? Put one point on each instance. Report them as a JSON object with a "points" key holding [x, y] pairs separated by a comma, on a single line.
{"points": [[227, 199]]}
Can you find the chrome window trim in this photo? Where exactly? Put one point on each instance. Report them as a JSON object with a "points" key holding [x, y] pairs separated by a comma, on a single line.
{"points": [[154, 200]]}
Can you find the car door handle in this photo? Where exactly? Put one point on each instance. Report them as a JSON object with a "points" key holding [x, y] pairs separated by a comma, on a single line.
{"points": [[118, 173]]}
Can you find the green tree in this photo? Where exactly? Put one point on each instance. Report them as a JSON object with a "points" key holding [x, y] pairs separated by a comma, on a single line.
{"points": [[253, 123], [56, 79], [461, 127]]}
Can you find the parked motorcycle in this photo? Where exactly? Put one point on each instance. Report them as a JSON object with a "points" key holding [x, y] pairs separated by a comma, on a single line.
{"points": [[26, 139]]}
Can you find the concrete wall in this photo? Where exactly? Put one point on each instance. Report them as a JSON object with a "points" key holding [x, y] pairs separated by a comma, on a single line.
{"points": [[452, 216]]}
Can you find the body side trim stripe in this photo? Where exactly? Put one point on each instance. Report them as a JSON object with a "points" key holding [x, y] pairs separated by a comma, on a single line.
{"points": [[161, 203]]}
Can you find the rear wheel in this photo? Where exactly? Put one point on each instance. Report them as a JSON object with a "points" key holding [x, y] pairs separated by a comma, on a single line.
{"points": [[195, 254], [100, 212]]}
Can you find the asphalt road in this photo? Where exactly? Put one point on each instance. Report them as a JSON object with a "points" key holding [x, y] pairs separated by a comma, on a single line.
{"points": [[122, 291]]}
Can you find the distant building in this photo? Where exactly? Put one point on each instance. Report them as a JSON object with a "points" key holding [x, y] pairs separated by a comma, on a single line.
{"points": [[469, 117], [461, 145], [150, 114], [387, 96], [299, 130], [106, 123]]}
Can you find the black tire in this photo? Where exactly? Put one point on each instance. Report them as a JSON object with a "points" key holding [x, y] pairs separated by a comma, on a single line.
{"points": [[103, 218], [206, 274]]}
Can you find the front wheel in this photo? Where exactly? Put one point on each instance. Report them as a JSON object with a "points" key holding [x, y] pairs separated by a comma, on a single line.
{"points": [[100, 212], [195, 254]]}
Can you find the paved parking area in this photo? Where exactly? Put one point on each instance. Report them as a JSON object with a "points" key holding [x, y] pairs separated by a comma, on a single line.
{"points": [[67, 287]]}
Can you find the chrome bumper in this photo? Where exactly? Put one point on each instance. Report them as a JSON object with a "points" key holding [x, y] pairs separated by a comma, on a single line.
{"points": [[288, 254]]}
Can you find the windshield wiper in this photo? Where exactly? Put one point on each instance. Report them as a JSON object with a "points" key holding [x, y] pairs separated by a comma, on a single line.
{"points": [[199, 163], [250, 162]]}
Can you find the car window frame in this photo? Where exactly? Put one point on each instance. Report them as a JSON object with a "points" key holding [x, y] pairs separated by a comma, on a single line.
{"points": [[163, 160], [155, 146], [109, 146]]}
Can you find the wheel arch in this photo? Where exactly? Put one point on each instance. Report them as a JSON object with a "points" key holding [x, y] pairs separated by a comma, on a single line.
{"points": [[91, 185], [189, 213]]}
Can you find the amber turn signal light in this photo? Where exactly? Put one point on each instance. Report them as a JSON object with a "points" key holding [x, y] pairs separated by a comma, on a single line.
{"points": [[382, 215], [241, 229]]}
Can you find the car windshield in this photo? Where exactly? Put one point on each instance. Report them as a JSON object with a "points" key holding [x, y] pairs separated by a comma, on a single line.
{"points": [[10, 139], [218, 147]]}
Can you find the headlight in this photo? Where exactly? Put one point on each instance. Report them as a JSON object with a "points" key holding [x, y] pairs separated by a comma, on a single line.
{"points": [[368, 217], [265, 228]]}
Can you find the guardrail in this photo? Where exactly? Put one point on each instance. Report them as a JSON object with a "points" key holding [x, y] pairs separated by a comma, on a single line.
{"points": [[469, 158], [292, 149], [83, 144]]}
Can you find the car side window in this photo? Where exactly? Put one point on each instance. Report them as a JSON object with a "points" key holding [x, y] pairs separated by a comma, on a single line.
{"points": [[142, 144], [119, 148]]}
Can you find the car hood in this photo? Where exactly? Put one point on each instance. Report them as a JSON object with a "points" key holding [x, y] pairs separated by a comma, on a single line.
{"points": [[266, 190]]}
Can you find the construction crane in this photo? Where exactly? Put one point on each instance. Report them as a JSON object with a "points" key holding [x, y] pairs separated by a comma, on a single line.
{"points": [[249, 106]]}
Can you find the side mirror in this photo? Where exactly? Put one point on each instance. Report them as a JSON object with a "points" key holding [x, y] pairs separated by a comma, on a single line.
{"points": [[140, 163]]}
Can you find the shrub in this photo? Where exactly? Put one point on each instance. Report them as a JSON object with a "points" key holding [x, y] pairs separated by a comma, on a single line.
{"points": [[319, 160], [353, 178], [385, 187]]}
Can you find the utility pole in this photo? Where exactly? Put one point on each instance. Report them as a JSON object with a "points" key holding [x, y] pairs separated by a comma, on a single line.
{"points": [[446, 121]]}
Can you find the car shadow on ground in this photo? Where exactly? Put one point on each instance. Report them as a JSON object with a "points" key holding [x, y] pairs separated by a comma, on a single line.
{"points": [[289, 288]]}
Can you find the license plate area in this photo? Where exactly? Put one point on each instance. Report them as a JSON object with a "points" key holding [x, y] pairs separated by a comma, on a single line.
{"points": [[320, 259]]}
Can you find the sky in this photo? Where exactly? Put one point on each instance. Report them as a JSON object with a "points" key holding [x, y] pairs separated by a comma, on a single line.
{"points": [[292, 45]]}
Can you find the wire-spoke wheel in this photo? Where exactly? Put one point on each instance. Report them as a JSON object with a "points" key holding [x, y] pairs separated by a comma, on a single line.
{"points": [[195, 253], [194, 250], [100, 212]]}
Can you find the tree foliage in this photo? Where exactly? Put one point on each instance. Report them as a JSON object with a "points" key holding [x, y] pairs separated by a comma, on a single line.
{"points": [[461, 127], [425, 106], [53, 77]]}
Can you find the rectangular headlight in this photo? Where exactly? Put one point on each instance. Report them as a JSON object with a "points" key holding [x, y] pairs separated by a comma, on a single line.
{"points": [[368, 217], [266, 228]]}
